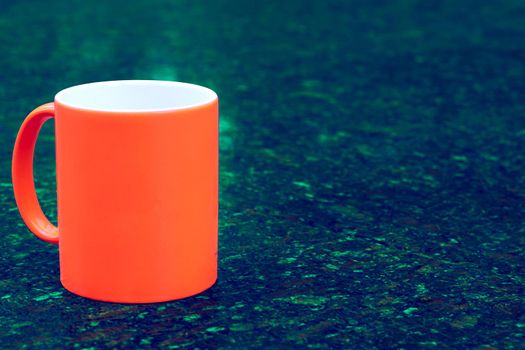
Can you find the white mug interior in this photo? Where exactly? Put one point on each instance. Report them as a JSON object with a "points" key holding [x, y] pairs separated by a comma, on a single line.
{"points": [[135, 96]]}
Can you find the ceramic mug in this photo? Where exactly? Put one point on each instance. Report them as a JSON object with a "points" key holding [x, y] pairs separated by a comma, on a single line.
{"points": [[137, 188]]}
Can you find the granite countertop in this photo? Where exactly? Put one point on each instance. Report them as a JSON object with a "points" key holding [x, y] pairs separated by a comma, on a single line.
{"points": [[372, 170]]}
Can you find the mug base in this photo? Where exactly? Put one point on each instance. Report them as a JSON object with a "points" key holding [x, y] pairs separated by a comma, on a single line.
{"points": [[132, 300]]}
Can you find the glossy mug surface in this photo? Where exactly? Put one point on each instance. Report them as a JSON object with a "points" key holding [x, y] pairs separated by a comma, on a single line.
{"points": [[137, 188]]}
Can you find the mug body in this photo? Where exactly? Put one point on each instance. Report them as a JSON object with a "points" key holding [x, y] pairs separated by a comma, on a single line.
{"points": [[137, 189]]}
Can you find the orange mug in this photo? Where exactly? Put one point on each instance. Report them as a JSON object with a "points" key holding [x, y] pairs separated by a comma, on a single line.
{"points": [[137, 188]]}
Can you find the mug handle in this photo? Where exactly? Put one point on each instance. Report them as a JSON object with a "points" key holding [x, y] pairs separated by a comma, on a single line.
{"points": [[22, 172]]}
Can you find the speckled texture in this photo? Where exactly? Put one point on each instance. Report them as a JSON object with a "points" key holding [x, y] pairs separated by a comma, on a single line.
{"points": [[372, 170]]}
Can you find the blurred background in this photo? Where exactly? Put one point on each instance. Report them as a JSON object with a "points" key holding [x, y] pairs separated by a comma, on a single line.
{"points": [[372, 170]]}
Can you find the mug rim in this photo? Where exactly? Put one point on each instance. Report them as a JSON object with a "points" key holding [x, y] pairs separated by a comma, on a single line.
{"points": [[206, 97]]}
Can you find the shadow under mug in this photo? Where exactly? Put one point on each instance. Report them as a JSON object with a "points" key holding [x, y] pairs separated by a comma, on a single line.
{"points": [[137, 188]]}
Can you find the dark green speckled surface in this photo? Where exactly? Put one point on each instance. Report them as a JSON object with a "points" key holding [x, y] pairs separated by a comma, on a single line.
{"points": [[372, 170]]}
